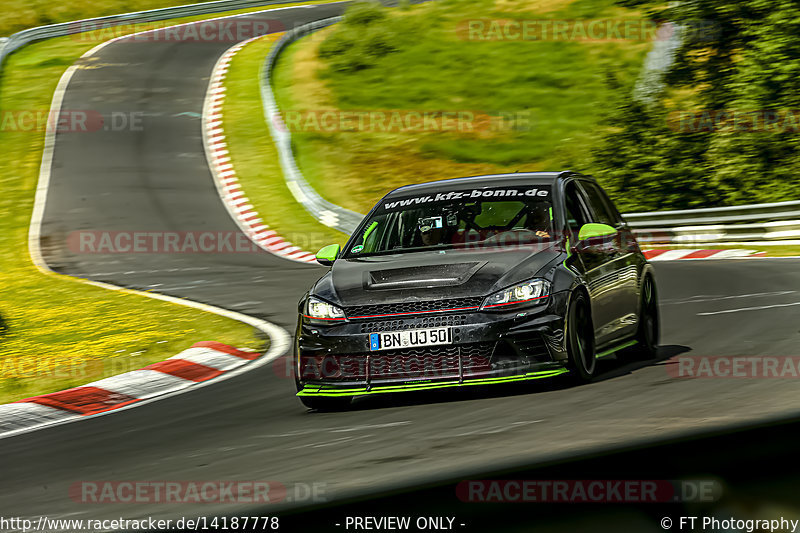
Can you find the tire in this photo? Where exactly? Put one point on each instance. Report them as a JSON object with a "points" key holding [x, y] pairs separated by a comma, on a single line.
{"points": [[648, 329], [326, 404], [580, 339]]}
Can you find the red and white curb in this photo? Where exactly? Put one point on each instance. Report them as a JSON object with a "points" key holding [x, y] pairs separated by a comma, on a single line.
{"points": [[239, 206], [225, 362], [202, 362], [663, 254]]}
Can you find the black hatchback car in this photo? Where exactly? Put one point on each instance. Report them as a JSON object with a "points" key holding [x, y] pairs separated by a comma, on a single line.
{"points": [[475, 281]]}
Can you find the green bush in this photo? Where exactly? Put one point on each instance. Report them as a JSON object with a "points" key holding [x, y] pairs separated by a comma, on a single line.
{"points": [[365, 14], [361, 39], [748, 62]]}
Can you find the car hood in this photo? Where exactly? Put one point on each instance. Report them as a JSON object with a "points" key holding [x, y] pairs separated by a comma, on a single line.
{"points": [[432, 275]]}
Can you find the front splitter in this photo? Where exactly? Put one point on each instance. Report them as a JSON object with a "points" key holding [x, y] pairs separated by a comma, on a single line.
{"points": [[331, 391]]}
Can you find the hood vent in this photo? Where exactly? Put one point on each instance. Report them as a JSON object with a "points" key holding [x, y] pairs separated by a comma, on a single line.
{"points": [[419, 277]]}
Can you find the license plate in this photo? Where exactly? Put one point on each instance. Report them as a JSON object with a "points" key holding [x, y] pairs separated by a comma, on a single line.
{"points": [[409, 338]]}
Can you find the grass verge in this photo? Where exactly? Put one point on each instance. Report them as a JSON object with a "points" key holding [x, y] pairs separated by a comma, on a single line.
{"points": [[558, 88], [55, 332]]}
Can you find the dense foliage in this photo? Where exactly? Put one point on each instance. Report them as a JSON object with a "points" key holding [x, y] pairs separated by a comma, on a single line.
{"points": [[741, 82]]}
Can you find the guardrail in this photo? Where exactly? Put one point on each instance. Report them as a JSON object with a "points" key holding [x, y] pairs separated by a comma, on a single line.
{"points": [[759, 222], [741, 213], [745, 223], [16, 41], [668, 227], [331, 215], [721, 233]]}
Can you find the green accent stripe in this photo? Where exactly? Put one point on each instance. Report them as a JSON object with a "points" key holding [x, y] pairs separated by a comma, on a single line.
{"points": [[317, 390], [615, 349]]}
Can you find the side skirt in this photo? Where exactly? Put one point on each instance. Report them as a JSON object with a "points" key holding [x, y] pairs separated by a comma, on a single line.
{"points": [[615, 349]]}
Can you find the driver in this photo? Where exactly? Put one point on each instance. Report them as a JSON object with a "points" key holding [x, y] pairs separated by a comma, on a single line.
{"points": [[430, 230]]}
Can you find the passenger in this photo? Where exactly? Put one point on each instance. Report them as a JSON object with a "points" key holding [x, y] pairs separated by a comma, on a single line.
{"points": [[538, 221]]}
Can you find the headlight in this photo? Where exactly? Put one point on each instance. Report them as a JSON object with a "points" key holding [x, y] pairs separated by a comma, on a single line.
{"points": [[316, 308], [533, 291]]}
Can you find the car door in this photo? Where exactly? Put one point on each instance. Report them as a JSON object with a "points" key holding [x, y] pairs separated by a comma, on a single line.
{"points": [[594, 259], [620, 272]]}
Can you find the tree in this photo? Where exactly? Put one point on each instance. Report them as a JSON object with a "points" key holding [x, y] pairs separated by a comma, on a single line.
{"points": [[739, 65]]}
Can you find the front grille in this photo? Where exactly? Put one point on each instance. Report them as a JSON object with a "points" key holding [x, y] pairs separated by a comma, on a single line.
{"points": [[432, 321], [422, 362], [444, 306]]}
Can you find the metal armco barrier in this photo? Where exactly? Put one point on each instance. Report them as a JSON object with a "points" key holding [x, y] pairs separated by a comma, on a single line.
{"points": [[329, 214], [759, 222], [685, 226], [718, 215], [721, 233]]}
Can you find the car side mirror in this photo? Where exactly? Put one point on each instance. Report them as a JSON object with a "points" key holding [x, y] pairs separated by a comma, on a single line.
{"points": [[328, 254], [591, 230]]}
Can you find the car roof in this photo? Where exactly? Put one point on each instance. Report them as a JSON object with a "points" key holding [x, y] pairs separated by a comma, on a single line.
{"points": [[489, 180]]}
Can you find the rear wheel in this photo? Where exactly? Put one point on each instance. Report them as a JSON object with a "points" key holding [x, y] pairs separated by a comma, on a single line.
{"points": [[326, 404], [647, 334], [580, 338]]}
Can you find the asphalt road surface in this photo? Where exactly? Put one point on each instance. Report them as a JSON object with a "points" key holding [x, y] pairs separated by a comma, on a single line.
{"points": [[251, 427]]}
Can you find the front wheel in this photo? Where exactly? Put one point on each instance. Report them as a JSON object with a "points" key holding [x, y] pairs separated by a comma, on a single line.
{"points": [[580, 339], [647, 334]]}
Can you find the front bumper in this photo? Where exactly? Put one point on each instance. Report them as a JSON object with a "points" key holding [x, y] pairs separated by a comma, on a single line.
{"points": [[488, 348]]}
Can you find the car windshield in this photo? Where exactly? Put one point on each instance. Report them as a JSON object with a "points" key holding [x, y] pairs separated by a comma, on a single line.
{"points": [[485, 217]]}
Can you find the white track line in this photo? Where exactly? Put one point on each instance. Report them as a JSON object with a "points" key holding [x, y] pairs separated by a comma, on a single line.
{"points": [[756, 308], [279, 338], [709, 298]]}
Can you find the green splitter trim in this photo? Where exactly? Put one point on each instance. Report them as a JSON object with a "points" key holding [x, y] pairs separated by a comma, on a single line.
{"points": [[615, 349], [317, 390]]}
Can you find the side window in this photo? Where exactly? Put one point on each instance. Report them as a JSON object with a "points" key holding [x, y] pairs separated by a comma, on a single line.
{"points": [[612, 207], [602, 213], [576, 212]]}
